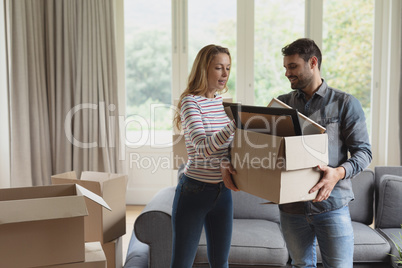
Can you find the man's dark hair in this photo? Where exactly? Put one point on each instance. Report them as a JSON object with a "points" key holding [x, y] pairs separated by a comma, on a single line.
{"points": [[305, 47]]}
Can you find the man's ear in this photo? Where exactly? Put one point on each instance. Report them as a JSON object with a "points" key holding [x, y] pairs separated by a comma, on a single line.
{"points": [[313, 62]]}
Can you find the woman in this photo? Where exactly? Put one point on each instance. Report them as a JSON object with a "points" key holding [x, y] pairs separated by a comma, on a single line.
{"points": [[201, 196]]}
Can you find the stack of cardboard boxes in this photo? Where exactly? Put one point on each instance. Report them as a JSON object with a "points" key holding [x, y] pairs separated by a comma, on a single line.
{"points": [[55, 226], [103, 225]]}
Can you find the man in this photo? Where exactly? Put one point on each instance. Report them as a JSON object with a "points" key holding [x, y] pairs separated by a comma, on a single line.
{"points": [[326, 219]]}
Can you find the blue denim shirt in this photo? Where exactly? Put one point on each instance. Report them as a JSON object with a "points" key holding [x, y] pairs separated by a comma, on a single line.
{"points": [[343, 117]]}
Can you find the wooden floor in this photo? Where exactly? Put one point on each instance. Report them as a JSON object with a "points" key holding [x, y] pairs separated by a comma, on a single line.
{"points": [[132, 213]]}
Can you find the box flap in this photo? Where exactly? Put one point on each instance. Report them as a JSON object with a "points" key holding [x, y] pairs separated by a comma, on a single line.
{"points": [[19, 193], [306, 151], [94, 197], [115, 195], [92, 186], [102, 177], [37, 209], [66, 175], [307, 125]]}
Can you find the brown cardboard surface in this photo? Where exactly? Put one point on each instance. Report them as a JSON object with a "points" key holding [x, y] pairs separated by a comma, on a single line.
{"points": [[101, 224], [179, 151], [94, 258], [44, 242], [42, 225], [38, 209], [278, 169], [114, 253]]}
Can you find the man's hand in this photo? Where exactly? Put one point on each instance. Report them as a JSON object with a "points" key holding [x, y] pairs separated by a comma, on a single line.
{"points": [[227, 170], [327, 183]]}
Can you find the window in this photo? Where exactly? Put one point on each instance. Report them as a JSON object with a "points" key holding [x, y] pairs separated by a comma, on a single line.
{"points": [[150, 36], [347, 48], [148, 64], [213, 22], [360, 56], [272, 31]]}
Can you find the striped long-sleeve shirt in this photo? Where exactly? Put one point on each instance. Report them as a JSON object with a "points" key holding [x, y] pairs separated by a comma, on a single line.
{"points": [[208, 132]]}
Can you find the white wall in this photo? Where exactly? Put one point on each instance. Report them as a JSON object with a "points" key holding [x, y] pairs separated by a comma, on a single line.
{"points": [[148, 170], [4, 119]]}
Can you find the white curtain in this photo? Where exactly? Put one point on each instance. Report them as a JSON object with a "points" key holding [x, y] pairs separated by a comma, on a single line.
{"points": [[63, 89], [400, 106]]}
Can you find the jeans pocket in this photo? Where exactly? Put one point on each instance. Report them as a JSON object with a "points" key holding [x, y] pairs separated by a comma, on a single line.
{"points": [[191, 186]]}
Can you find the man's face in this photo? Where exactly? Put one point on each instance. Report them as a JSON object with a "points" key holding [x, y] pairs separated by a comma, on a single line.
{"points": [[298, 71]]}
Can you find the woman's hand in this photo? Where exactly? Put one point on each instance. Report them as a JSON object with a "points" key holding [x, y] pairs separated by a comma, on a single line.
{"points": [[227, 170]]}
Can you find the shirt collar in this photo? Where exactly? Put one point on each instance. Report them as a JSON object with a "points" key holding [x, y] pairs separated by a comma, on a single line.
{"points": [[321, 90]]}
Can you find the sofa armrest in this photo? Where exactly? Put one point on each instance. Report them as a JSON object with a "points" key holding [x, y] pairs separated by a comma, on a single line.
{"points": [[154, 228], [394, 238]]}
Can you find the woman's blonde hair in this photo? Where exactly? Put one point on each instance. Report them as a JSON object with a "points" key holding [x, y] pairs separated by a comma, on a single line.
{"points": [[198, 79]]}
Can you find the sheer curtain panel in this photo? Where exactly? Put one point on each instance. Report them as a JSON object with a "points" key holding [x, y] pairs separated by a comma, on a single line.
{"points": [[63, 89], [400, 105]]}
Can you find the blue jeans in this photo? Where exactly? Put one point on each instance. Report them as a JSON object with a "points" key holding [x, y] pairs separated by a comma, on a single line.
{"points": [[333, 231], [196, 205]]}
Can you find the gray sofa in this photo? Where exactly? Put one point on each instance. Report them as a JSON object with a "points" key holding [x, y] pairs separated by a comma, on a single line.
{"points": [[257, 240], [389, 206]]}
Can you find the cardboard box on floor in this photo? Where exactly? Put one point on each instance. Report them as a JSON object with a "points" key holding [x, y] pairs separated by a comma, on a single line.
{"points": [[43, 225], [101, 224], [114, 253], [94, 258], [179, 151], [281, 169]]}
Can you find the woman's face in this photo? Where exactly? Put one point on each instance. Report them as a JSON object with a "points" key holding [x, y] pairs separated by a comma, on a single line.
{"points": [[218, 72]]}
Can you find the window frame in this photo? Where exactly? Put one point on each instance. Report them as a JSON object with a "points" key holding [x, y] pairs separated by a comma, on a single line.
{"points": [[386, 64], [5, 156]]}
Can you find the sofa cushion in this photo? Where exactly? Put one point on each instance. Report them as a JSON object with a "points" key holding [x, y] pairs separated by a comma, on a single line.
{"points": [[254, 242], [369, 245], [390, 202], [362, 207], [247, 206], [379, 172]]}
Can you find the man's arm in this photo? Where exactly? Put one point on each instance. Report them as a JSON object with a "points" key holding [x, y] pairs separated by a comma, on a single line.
{"points": [[354, 131]]}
